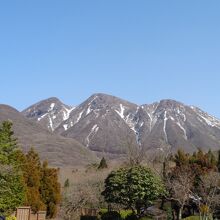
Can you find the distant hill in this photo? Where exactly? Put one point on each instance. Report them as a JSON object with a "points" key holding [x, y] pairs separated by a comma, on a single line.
{"points": [[59, 151]]}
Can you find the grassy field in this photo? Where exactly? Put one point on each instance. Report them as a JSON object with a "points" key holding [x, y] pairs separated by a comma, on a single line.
{"points": [[192, 218]]}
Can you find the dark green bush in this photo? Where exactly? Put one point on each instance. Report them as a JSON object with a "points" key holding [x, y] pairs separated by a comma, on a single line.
{"points": [[125, 213], [131, 217], [113, 215]]}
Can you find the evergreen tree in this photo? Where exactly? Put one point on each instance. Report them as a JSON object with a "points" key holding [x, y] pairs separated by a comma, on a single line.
{"points": [[50, 189], [23, 181], [12, 190], [32, 176], [134, 188], [66, 183], [8, 143], [103, 164]]}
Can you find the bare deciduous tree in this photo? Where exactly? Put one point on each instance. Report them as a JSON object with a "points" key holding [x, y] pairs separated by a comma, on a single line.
{"points": [[180, 184], [85, 193], [207, 195], [135, 152]]}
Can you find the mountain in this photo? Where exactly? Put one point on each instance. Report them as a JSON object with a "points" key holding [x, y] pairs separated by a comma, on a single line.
{"points": [[50, 113], [178, 126], [104, 123], [59, 151], [101, 123]]}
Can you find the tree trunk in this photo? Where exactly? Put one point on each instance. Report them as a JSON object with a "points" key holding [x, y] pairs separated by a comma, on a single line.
{"points": [[162, 203], [174, 214], [180, 213]]}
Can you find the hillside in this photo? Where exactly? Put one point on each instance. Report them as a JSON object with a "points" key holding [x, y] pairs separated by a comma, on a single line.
{"points": [[59, 151]]}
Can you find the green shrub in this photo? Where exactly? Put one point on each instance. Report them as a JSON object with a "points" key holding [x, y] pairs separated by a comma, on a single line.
{"points": [[125, 213], [169, 213], [11, 218], [102, 211]]}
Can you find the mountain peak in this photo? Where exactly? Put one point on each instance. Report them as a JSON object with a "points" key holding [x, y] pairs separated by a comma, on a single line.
{"points": [[170, 103], [51, 99], [108, 99], [50, 112]]}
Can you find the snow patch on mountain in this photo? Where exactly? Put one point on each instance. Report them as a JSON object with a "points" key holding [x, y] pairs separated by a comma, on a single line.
{"points": [[121, 112], [211, 121], [206, 118], [130, 121], [164, 125], [179, 112], [92, 133], [95, 97], [183, 129], [135, 123], [79, 116], [42, 116], [150, 110], [51, 124], [65, 126], [51, 107], [88, 110], [66, 112], [151, 119]]}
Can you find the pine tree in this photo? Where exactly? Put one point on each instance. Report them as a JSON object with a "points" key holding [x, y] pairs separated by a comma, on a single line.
{"points": [[12, 189], [32, 176], [103, 164], [50, 189], [8, 143]]}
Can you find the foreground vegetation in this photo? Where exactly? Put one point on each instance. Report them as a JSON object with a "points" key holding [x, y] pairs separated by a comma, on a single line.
{"points": [[186, 185], [23, 179]]}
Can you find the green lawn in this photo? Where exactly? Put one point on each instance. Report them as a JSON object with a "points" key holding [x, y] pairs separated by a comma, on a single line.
{"points": [[192, 218], [125, 213]]}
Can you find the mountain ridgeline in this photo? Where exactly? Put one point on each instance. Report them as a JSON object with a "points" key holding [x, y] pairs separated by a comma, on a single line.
{"points": [[104, 123], [59, 151]]}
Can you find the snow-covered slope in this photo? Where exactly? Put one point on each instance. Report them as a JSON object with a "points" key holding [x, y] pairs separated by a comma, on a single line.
{"points": [[50, 113], [104, 123], [101, 123], [179, 126]]}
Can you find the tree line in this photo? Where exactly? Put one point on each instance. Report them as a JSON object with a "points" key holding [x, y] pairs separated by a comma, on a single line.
{"points": [[187, 185], [24, 179]]}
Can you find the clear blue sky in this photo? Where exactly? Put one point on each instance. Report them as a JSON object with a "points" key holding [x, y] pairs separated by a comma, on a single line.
{"points": [[139, 50]]}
